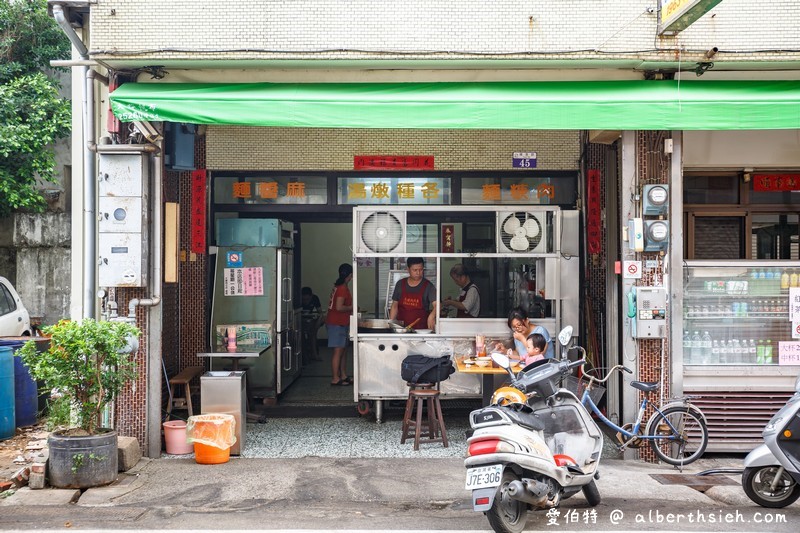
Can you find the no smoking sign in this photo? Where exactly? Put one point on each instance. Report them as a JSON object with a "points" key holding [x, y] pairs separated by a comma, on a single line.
{"points": [[632, 269]]}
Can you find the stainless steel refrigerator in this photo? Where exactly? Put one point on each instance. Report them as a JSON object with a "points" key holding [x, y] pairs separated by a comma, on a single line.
{"points": [[253, 292]]}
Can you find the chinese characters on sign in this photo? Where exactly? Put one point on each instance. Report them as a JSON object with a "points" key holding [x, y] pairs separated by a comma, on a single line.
{"points": [[593, 222], [382, 190], [776, 182], [519, 191], [794, 311], [393, 162], [523, 160], [244, 281], [448, 238], [267, 189], [789, 353], [198, 217]]}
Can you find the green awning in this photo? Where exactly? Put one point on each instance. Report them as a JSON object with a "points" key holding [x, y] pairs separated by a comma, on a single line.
{"points": [[561, 105]]}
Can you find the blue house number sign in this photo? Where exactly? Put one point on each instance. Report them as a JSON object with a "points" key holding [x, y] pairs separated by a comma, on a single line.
{"points": [[523, 160]]}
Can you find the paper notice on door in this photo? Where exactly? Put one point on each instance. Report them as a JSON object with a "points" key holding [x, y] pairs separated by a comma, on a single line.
{"points": [[244, 281]]}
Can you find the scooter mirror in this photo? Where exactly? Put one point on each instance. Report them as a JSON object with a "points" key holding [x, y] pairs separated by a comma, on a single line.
{"points": [[501, 359], [565, 335]]}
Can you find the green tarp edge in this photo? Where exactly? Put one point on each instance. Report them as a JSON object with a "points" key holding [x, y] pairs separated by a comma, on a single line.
{"points": [[562, 105]]}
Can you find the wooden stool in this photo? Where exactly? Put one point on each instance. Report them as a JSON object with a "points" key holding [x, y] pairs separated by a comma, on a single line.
{"points": [[184, 377], [418, 395]]}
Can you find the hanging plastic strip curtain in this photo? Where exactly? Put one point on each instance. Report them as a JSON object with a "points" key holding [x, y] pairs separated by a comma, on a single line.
{"points": [[617, 105]]}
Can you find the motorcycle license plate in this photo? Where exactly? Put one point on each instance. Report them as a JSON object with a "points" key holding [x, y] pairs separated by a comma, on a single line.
{"points": [[484, 477]]}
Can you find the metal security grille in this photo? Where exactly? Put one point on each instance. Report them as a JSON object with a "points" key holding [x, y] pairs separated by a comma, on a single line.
{"points": [[736, 419]]}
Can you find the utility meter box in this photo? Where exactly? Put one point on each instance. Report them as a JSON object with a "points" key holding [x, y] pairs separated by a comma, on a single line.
{"points": [[651, 312], [122, 219], [656, 199]]}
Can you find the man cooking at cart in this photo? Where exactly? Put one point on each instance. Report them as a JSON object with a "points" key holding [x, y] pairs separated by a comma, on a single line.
{"points": [[468, 304], [414, 297]]}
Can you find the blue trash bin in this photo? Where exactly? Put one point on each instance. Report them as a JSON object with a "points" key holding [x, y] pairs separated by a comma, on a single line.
{"points": [[7, 422], [26, 397]]}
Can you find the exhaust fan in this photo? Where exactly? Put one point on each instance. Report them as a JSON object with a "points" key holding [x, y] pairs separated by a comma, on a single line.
{"points": [[381, 232], [522, 232]]}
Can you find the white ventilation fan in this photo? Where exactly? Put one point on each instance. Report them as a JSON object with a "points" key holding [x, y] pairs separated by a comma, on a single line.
{"points": [[381, 232], [521, 232]]}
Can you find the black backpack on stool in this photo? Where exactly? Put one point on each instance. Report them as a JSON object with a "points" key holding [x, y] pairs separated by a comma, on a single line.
{"points": [[422, 369]]}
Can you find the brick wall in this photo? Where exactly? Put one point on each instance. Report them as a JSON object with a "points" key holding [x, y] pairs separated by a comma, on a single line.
{"points": [[653, 167], [438, 29], [246, 148]]}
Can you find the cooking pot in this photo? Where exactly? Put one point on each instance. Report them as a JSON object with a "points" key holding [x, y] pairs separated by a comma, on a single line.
{"points": [[376, 325]]}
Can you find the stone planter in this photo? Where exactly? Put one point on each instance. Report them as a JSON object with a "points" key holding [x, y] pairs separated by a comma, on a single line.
{"points": [[82, 462]]}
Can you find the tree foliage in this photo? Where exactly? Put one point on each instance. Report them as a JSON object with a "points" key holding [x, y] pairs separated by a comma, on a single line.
{"points": [[32, 115]]}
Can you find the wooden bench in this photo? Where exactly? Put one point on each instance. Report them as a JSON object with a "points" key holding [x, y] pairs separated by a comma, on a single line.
{"points": [[184, 377]]}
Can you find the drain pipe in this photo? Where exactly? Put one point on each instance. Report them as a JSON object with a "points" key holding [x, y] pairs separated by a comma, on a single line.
{"points": [[154, 318], [89, 182]]}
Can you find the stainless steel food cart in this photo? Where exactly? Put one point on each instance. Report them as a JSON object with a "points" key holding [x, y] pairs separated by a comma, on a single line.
{"points": [[377, 356]]}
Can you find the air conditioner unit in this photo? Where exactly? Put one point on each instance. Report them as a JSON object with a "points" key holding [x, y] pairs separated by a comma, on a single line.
{"points": [[381, 232], [524, 231]]}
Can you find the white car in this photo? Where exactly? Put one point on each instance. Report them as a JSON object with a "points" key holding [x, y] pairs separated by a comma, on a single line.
{"points": [[14, 318]]}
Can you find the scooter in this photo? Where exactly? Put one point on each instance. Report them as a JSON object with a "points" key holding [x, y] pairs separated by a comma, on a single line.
{"points": [[531, 454], [771, 476]]}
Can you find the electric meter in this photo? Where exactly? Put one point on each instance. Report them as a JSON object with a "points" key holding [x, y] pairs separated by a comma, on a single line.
{"points": [[656, 199], [656, 235]]}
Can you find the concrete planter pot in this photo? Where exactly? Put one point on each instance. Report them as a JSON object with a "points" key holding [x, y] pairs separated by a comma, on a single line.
{"points": [[82, 462]]}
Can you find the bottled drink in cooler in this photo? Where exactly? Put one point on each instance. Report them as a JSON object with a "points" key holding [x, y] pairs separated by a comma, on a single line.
{"points": [[697, 348], [768, 352], [707, 346], [794, 279], [724, 352], [687, 347], [715, 353], [751, 351], [760, 352], [785, 279]]}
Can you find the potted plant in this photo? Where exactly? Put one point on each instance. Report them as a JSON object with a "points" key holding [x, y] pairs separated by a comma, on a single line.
{"points": [[88, 363]]}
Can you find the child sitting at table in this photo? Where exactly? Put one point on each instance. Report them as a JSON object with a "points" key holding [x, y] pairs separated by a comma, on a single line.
{"points": [[536, 345]]}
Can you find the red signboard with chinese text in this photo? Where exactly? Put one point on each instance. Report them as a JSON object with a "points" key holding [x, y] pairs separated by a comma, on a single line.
{"points": [[776, 182], [393, 162], [448, 239], [594, 234], [198, 218]]}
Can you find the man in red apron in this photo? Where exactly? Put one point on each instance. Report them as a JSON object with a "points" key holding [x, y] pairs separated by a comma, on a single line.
{"points": [[468, 304], [414, 297]]}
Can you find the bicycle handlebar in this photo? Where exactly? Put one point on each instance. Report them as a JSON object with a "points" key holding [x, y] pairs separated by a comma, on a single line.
{"points": [[608, 375]]}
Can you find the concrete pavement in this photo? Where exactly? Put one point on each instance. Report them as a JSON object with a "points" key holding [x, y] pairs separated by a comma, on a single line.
{"points": [[360, 493]]}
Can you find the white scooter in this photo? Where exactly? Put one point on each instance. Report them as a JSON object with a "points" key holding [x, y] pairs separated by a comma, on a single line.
{"points": [[771, 476], [532, 455]]}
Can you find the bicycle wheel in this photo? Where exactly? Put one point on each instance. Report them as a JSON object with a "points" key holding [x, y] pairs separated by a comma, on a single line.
{"points": [[683, 447]]}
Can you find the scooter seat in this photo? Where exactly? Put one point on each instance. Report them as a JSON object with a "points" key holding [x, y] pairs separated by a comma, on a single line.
{"points": [[645, 386], [526, 419]]}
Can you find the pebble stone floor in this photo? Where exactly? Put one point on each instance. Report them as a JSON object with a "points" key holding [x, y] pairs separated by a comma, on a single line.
{"points": [[358, 437]]}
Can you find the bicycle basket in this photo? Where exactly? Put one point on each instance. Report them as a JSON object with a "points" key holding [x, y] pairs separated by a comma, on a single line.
{"points": [[577, 386]]}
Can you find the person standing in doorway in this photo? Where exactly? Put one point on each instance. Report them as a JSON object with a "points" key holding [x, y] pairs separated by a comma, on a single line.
{"points": [[340, 307], [414, 297], [468, 304]]}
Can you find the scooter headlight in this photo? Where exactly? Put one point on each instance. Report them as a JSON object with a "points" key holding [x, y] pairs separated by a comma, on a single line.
{"points": [[773, 426]]}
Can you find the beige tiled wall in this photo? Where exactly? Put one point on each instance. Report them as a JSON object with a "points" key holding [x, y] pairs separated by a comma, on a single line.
{"points": [[246, 148]]}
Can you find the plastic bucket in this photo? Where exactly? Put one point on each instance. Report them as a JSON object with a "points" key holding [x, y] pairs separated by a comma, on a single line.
{"points": [[213, 436], [7, 422], [211, 455], [175, 438], [26, 394]]}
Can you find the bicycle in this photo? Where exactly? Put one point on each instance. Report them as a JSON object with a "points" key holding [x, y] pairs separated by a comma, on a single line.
{"points": [[677, 432]]}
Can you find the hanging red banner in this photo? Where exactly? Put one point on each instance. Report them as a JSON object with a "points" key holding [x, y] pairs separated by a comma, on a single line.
{"points": [[776, 182], [594, 236], [448, 239], [393, 162], [198, 218]]}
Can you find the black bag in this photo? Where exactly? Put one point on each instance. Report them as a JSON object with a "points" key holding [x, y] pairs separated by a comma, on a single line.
{"points": [[421, 369]]}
